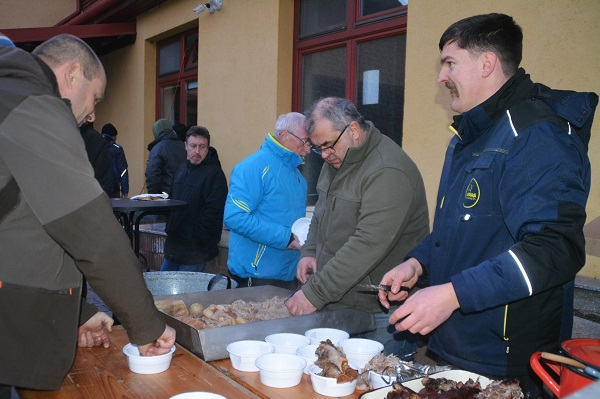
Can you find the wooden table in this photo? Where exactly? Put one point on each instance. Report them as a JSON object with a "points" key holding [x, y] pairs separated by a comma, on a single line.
{"points": [[104, 373], [252, 382]]}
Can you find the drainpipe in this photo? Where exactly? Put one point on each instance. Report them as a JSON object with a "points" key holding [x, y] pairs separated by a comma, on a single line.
{"points": [[81, 17]]}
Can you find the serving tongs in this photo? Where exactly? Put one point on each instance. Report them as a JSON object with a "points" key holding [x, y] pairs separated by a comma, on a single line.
{"points": [[406, 372]]}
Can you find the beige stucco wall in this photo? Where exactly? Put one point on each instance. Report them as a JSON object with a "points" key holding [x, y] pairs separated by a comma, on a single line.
{"points": [[244, 77], [34, 13], [561, 50]]}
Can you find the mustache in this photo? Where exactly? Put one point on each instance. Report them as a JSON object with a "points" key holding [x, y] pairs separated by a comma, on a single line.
{"points": [[450, 86]]}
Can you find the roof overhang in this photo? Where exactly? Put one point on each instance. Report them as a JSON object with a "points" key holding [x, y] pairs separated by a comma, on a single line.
{"points": [[103, 38]]}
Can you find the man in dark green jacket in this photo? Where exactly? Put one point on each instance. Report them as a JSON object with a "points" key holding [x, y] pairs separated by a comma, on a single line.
{"points": [[371, 211]]}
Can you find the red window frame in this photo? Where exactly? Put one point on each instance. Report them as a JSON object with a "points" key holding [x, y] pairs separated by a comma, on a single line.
{"points": [[188, 71], [358, 29]]}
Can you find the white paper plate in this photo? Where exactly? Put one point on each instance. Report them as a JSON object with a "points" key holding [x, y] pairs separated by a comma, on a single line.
{"points": [[142, 196], [416, 385], [300, 229]]}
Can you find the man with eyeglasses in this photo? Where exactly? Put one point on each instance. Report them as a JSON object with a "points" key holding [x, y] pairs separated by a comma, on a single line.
{"points": [[193, 233], [370, 212], [267, 195]]}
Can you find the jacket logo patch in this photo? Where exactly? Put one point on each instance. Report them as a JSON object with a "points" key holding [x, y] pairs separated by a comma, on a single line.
{"points": [[471, 194]]}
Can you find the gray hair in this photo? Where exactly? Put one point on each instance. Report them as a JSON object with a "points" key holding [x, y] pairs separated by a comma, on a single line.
{"points": [[292, 121], [339, 111], [65, 48]]}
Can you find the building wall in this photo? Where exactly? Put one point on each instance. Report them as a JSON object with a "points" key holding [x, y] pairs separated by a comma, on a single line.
{"points": [[561, 42], [244, 77], [34, 13]]}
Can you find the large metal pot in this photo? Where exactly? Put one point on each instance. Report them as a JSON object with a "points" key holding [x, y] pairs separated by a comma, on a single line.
{"points": [[586, 352], [174, 283]]}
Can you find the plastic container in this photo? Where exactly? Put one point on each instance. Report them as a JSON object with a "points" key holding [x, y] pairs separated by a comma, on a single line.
{"points": [[317, 335], [280, 370], [147, 364], [327, 386], [243, 354], [307, 352], [360, 350], [287, 342]]}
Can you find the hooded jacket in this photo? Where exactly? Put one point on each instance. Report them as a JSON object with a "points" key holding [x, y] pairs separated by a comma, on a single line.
{"points": [[167, 152], [369, 214], [267, 195], [508, 232], [100, 159], [52, 213], [193, 234], [119, 163]]}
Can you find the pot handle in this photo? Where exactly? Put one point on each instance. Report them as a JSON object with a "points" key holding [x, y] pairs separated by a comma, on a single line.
{"points": [[215, 279], [537, 367]]}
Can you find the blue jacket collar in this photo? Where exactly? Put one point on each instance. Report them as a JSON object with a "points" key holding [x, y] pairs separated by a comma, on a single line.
{"points": [[287, 156]]}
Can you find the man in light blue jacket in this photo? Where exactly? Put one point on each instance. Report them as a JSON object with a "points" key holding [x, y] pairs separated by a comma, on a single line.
{"points": [[267, 194]]}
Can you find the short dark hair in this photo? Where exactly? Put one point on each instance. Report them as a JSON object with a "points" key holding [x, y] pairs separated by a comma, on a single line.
{"points": [[498, 33], [199, 131]]}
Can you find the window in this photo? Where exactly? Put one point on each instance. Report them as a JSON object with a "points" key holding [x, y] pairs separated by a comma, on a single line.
{"points": [[177, 80], [354, 49]]}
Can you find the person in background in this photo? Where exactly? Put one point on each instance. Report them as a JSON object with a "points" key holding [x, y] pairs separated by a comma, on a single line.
{"points": [[52, 212], [180, 130], [193, 234], [507, 238], [100, 159], [371, 210], [267, 195], [167, 152], [119, 161]]}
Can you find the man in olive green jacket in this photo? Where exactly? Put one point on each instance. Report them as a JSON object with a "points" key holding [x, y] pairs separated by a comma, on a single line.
{"points": [[370, 212], [52, 213]]}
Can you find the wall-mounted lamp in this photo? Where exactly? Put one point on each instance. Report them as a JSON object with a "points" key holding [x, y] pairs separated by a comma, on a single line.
{"points": [[211, 6]]}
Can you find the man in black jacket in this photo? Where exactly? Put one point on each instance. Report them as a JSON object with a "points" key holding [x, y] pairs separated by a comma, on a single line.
{"points": [[195, 232], [100, 159], [119, 161], [166, 154]]}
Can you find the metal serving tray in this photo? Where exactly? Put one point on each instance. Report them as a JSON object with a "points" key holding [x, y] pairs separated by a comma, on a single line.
{"points": [[211, 344]]}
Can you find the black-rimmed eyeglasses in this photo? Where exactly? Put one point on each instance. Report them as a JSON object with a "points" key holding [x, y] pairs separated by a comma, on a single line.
{"points": [[305, 143], [319, 149]]}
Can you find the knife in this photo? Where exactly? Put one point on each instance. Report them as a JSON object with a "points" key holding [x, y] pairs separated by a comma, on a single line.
{"points": [[382, 287]]}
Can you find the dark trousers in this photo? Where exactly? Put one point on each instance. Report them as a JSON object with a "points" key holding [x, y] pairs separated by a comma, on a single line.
{"points": [[255, 282]]}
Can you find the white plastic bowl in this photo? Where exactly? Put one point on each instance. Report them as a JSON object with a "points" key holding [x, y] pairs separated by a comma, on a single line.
{"points": [[287, 342], [376, 380], [360, 350], [317, 335], [147, 364], [300, 229], [198, 395], [243, 354], [307, 352], [280, 370], [328, 386]]}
